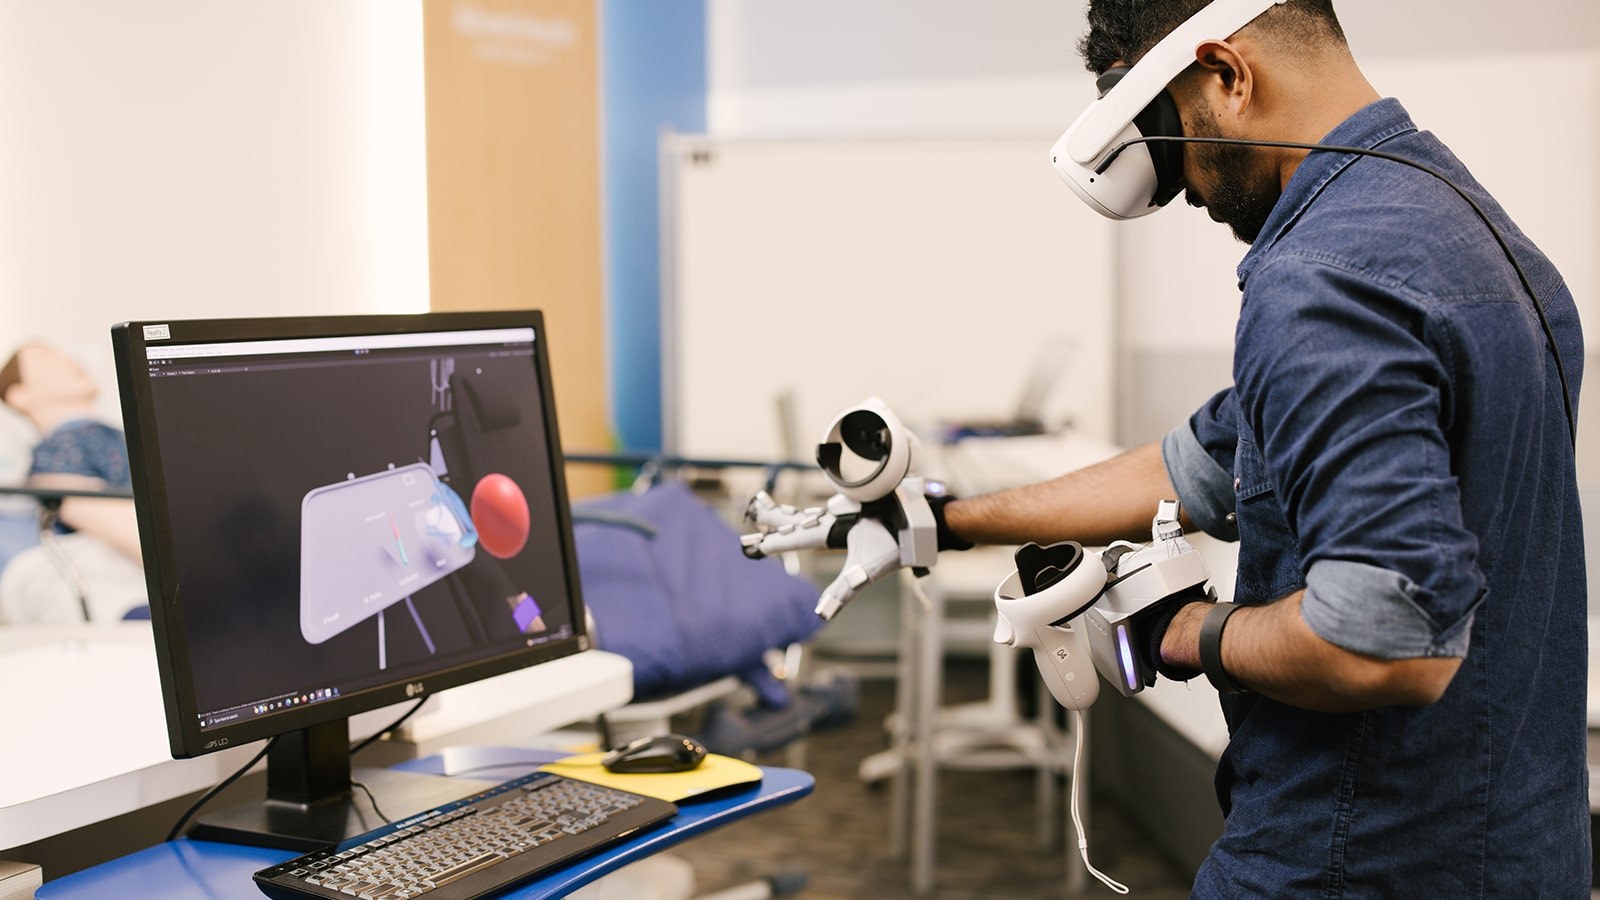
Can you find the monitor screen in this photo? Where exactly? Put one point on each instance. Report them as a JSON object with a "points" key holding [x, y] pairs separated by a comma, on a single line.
{"points": [[339, 514]]}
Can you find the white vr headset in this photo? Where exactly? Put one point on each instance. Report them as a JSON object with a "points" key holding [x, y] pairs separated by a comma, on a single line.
{"points": [[1122, 181]]}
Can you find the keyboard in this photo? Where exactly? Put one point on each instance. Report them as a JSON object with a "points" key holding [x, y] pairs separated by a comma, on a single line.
{"points": [[472, 847]]}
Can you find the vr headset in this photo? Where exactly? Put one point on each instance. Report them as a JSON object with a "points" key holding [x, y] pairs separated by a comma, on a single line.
{"points": [[1134, 103]]}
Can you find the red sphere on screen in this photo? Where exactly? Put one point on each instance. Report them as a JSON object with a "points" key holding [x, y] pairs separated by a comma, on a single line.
{"points": [[500, 513]]}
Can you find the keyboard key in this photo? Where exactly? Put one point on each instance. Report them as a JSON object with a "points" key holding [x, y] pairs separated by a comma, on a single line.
{"points": [[472, 847]]}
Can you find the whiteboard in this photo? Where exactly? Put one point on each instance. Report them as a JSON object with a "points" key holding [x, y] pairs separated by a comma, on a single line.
{"points": [[938, 274]]}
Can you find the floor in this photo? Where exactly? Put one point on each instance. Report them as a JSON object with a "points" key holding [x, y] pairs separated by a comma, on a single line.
{"points": [[987, 848]]}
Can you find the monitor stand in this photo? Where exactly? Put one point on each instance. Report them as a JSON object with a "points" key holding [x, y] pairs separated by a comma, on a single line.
{"points": [[310, 803]]}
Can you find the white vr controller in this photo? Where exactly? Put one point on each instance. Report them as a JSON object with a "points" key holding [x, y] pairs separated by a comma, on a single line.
{"points": [[1082, 612], [880, 516]]}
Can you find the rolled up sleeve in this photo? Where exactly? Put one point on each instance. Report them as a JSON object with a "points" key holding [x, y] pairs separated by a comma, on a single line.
{"points": [[1198, 456], [1370, 610], [1347, 405]]}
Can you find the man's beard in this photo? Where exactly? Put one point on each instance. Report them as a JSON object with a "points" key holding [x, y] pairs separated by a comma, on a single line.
{"points": [[1230, 200]]}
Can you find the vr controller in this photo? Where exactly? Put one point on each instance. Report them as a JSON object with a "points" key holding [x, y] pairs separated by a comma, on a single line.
{"points": [[1081, 614]]}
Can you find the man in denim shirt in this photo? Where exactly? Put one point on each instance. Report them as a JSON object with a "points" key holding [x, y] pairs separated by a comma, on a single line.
{"points": [[1395, 458]]}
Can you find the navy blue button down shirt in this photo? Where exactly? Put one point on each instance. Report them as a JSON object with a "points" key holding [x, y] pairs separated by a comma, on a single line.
{"points": [[1395, 443]]}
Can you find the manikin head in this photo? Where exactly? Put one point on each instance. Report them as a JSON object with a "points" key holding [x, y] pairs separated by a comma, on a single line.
{"points": [[1286, 76], [46, 385]]}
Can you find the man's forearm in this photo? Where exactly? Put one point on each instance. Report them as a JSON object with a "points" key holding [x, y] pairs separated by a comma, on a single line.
{"points": [[1108, 501], [1270, 650], [110, 520]]}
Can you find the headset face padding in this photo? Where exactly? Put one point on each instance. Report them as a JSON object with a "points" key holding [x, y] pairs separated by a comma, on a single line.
{"points": [[1159, 118]]}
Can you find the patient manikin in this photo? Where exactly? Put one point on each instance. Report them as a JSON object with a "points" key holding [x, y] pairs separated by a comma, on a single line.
{"points": [[88, 564]]}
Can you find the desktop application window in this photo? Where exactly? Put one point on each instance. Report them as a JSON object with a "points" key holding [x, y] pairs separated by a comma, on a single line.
{"points": [[348, 511]]}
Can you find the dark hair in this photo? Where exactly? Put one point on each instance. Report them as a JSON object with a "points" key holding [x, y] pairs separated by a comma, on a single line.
{"points": [[1125, 30]]}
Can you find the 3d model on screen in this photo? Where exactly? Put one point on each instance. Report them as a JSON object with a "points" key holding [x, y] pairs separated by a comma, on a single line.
{"points": [[477, 435], [525, 611], [368, 543], [500, 512]]}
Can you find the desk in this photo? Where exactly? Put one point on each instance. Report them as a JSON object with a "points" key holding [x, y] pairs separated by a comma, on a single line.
{"points": [[88, 730], [185, 869], [983, 465], [84, 720]]}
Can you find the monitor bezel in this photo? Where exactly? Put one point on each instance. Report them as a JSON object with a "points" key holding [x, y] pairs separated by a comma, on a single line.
{"points": [[185, 736]]}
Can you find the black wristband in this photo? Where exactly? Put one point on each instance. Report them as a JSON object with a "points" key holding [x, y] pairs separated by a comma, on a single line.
{"points": [[947, 539], [1155, 631], [1211, 648]]}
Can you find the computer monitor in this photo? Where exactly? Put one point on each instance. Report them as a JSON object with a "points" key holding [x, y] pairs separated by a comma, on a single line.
{"points": [[339, 514]]}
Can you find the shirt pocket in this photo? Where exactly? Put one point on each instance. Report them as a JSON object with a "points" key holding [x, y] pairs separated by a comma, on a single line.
{"points": [[1269, 559]]}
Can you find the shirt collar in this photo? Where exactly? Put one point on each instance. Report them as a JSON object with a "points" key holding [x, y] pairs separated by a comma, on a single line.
{"points": [[74, 422], [1370, 126]]}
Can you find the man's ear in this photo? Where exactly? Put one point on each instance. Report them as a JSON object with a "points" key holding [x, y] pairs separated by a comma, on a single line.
{"points": [[1224, 77]]}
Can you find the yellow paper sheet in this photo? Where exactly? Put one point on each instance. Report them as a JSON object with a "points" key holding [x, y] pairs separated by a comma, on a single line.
{"points": [[713, 774]]}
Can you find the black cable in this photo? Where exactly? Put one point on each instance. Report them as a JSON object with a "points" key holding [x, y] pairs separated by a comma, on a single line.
{"points": [[371, 799], [49, 518], [58, 494], [354, 749], [362, 745], [357, 748], [205, 798], [1505, 247]]}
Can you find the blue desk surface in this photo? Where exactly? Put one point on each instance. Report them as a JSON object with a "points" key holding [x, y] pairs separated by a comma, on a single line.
{"points": [[184, 869]]}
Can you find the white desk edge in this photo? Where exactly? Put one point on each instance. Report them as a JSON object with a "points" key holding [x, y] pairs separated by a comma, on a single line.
{"points": [[142, 773]]}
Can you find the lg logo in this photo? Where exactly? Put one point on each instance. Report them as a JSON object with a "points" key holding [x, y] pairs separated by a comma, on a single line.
{"points": [[414, 688]]}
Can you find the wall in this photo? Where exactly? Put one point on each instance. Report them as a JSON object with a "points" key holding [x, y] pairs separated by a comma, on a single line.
{"points": [[1177, 268], [514, 185], [849, 65], [854, 67], [652, 82], [188, 158], [805, 269], [1466, 69]]}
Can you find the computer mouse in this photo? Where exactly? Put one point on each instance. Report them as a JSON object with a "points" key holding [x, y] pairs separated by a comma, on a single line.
{"points": [[661, 753]]}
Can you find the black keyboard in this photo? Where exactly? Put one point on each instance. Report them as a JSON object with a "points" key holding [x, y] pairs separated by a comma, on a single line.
{"points": [[472, 847]]}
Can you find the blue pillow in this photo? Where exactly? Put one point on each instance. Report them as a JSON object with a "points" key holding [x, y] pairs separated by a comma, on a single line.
{"points": [[684, 604]]}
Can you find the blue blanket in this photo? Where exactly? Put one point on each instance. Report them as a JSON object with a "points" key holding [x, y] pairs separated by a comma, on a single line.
{"points": [[684, 603]]}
